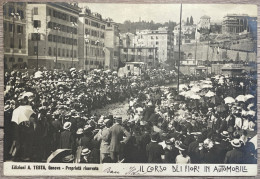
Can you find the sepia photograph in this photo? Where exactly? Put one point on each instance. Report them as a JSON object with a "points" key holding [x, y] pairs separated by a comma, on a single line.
{"points": [[130, 89]]}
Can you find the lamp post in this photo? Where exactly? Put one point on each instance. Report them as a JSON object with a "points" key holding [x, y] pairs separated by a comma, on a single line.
{"points": [[37, 66], [72, 31], [97, 42], [14, 15], [86, 42], [56, 28]]}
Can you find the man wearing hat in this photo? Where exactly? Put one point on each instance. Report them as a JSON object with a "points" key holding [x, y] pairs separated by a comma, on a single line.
{"points": [[235, 156], [117, 133], [154, 151], [104, 135], [171, 151], [66, 138]]}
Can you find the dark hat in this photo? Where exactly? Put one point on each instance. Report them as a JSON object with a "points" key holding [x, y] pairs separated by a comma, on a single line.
{"points": [[155, 136]]}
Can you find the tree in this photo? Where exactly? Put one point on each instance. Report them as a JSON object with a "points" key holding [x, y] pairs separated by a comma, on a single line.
{"points": [[191, 20], [187, 23]]}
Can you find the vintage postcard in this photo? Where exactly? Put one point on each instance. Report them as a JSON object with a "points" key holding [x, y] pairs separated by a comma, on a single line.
{"points": [[123, 89]]}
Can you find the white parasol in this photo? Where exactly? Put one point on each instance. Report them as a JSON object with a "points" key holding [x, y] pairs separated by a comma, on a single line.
{"points": [[249, 96], [210, 94], [21, 114], [241, 98], [229, 100]]}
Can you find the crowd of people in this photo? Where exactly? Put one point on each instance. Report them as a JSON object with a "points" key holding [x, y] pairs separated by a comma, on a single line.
{"points": [[206, 121]]}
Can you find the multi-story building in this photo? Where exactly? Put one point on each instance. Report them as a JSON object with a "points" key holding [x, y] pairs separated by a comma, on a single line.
{"points": [[111, 45], [15, 35], [52, 35], [187, 33], [235, 23], [92, 28], [162, 39], [203, 28]]}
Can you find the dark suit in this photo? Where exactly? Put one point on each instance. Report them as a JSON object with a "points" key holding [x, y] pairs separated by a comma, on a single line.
{"points": [[154, 152], [234, 156], [117, 133], [66, 140]]}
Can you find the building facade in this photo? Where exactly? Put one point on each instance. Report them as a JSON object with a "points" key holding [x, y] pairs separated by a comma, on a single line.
{"points": [[161, 39], [92, 28], [111, 45], [15, 35], [235, 23], [52, 35]]}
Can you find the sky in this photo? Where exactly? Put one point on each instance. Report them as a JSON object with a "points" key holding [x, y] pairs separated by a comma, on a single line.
{"points": [[164, 12]]}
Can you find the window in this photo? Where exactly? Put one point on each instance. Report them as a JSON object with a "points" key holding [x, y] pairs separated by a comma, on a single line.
{"points": [[4, 9], [20, 12], [67, 52], [49, 51], [63, 40], [49, 12], [36, 36], [11, 59], [50, 38], [128, 67], [75, 53], [59, 52], [35, 10], [63, 52], [54, 51], [50, 25], [11, 27], [20, 44], [133, 50], [20, 60], [86, 21], [11, 42], [54, 38], [59, 39], [10, 10], [36, 23], [86, 62], [19, 29], [91, 62], [157, 43], [125, 50], [75, 41], [35, 50], [5, 26], [71, 53]]}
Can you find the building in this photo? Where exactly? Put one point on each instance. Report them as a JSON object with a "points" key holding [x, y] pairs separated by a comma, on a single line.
{"points": [[52, 35], [203, 28], [161, 39], [236, 23], [111, 45], [92, 29], [187, 33], [15, 35]]}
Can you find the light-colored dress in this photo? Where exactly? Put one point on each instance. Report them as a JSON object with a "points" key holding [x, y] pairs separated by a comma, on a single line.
{"points": [[182, 160]]}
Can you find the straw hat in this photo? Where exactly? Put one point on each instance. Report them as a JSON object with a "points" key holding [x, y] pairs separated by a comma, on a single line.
{"points": [[85, 151], [236, 143], [67, 125], [80, 131]]}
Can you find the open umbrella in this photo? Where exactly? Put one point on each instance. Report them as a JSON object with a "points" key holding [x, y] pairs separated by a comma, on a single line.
{"points": [[249, 96], [21, 114], [206, 86], [210, 94], [183, 93], [72, 69], [195, 96], [38, 74], [189, 94], [241, 98], [229, 100], [195, 89], [58, 155]]}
